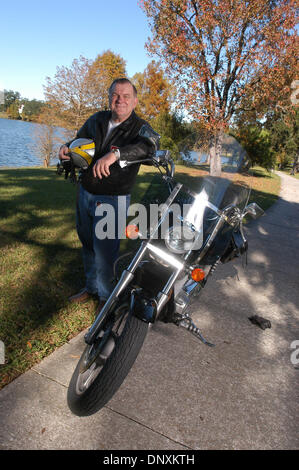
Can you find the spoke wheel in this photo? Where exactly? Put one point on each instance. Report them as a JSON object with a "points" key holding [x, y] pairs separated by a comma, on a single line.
{"points": [[96, 355], [104, 365]]}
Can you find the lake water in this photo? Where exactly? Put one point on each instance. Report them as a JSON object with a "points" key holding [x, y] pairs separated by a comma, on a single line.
{"points": [[19, 144]]}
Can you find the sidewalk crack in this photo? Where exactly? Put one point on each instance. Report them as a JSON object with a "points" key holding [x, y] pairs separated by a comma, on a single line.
{"points": [[148, 427], [49, 378]]}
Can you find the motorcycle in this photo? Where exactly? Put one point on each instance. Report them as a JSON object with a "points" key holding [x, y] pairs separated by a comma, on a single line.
{"points": [[198, 226]]}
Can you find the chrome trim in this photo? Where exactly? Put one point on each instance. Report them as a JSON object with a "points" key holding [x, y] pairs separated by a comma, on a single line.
{"points": [[171, 260], [182, 299]]}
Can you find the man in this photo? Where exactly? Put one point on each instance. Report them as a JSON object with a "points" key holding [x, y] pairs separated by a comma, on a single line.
{"points": [[116, 137]]}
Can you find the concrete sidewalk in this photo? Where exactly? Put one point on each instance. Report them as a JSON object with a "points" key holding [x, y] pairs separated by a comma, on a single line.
{"points": [[180, 394]]}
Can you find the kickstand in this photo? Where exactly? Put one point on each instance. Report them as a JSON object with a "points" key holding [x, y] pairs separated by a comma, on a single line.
{"points": [[184, 321]]}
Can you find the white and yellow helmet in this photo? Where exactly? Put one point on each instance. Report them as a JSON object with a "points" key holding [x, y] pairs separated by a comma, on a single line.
{"points": [[82, 152]]}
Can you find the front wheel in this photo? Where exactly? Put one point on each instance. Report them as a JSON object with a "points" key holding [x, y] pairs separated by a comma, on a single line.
{"points": [[105, 364]]}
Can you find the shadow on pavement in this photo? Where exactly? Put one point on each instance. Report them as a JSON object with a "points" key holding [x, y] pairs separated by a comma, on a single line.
{"points": [[180, 393]]}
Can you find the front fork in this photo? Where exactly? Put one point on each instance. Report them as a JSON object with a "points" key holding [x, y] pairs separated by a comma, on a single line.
{"points": [[124, 281], [96, 327]]}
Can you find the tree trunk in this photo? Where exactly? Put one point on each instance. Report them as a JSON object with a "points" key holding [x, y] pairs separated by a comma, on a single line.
{"points": [[215, 148], [295, 168]]}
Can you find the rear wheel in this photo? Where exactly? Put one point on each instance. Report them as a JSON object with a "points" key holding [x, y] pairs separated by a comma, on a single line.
{"points": [[105, 364]]}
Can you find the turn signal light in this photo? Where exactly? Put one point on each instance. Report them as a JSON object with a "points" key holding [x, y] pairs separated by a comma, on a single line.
{"points": [[198, 274], [132, 232]]}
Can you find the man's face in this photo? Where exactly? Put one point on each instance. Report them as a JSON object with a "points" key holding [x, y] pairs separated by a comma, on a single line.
{"points": [[122, 101]]}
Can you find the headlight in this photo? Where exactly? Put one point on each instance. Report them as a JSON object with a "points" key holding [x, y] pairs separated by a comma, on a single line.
{"points": [[180, 239]]}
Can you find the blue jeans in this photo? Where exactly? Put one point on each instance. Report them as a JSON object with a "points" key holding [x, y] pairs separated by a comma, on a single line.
{"points": [[100, 252]]}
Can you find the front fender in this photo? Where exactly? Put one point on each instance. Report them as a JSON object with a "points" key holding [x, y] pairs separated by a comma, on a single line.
{"points": [[142, 307]]}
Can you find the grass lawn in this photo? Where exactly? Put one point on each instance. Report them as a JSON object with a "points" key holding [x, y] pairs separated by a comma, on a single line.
{"points": [[40, 260]]}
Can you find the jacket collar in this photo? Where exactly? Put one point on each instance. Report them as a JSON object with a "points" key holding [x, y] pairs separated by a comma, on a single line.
{"points": [[125, 124]]}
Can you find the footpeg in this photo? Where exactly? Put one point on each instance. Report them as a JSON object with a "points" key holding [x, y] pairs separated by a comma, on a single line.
{"points": [[184, 321]]}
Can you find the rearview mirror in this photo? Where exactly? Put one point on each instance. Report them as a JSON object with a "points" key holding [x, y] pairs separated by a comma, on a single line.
{"points": [[148, 134], [254, 210]]}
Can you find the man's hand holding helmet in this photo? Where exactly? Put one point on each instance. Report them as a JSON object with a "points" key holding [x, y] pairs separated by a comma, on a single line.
{"points": [[63, 153]]}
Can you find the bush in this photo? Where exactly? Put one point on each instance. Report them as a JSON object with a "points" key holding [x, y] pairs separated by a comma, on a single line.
{"points": [[257, 143]]}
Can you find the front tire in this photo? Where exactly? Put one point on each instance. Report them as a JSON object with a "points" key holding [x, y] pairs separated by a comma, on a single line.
{"points": [[98, 376]]}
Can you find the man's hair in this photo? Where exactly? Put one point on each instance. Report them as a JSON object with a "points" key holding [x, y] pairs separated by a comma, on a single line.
{"points": [[122, 80]]}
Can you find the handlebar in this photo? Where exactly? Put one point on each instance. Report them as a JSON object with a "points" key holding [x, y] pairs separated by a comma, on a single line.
{"points": [[161, 158]]}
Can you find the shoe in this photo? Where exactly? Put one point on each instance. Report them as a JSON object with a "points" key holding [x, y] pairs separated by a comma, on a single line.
{"points": [[81, 297]]}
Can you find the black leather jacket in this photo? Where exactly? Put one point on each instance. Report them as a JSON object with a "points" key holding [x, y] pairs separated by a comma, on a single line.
{"points": [[132, 147]]}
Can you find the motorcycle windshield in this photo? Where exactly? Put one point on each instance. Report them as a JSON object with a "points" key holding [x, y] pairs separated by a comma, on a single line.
{"points": [[194, 198], [231, 187]]}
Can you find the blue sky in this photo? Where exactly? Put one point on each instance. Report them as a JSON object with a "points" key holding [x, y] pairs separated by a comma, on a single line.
{"points": [[37, 36]]}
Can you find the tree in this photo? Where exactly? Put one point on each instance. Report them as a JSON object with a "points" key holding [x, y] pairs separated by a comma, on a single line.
{"points": [[13, 110], [258, 146], [154, 92], [47, 136], [10, 97], [173, 131], [32, 109], [284, 132], [78, 91], [105, 68], [68, 94], [45, 143], [224, 53], [13, 103]]}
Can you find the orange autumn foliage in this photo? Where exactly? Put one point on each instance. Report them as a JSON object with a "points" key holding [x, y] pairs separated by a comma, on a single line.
{"points": [[225, 53]]}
